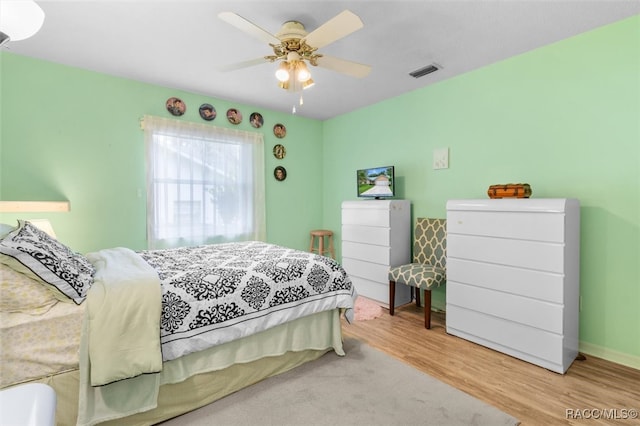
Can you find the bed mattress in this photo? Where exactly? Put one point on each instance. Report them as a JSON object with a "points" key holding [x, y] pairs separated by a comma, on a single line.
{"points": [[34, 346]]}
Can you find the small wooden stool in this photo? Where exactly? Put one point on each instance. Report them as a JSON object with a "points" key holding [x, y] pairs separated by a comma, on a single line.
{"points": [[321, 250]]}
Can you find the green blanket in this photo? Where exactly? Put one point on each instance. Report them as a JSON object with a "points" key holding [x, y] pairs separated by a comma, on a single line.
{"points": [[120, 338], [124, 306]]}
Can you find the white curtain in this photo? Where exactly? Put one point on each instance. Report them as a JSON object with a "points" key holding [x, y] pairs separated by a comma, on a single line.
{"points": [[205, 184]]}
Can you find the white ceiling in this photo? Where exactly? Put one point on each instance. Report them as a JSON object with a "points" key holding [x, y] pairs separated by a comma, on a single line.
{"points": [[180, 44]]}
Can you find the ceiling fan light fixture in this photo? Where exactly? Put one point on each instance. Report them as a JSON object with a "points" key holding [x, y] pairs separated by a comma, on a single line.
{"points": [[284, 85], [282, 73], [294, 49], [302, 72]]}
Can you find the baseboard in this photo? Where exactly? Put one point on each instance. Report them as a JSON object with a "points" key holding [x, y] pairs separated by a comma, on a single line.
{"points": [[610, 355]]}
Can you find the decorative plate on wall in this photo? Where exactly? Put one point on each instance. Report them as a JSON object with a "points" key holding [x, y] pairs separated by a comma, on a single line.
{"points": [[256, 120], [234, 116], [175, 106], [279, 151], [207, 112], [279, 130], [280, 173]]}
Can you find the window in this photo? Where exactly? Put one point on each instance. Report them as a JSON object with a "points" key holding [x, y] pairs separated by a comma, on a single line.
{"points": [[205, 184]]}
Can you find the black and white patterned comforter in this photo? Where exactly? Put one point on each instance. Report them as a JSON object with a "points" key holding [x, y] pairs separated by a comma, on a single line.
{"points": [[218, 293]]}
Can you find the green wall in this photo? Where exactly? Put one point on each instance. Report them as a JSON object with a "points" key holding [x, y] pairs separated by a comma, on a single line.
{"points": [[70, 134], [564, 118]]}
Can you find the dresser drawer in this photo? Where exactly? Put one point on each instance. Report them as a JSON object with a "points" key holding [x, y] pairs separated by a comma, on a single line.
{"points": [[510, 307], [367, 252], [366, 217], [528, 343], [367, 234], [371, 271], [534, 226], [518, 253], [540, 285]]}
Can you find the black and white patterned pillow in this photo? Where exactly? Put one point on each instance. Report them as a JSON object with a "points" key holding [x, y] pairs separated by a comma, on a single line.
{"points": [[48, 260]]}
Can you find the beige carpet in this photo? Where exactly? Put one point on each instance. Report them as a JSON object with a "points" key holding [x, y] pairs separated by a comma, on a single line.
{"points": [[366, 387]]}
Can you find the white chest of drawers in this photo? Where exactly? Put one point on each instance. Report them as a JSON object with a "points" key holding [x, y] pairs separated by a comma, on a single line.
{"points": [[376, 234], [513, 277]]}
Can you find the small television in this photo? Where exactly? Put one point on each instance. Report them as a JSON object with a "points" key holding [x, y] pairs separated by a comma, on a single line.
{"points": [[376, 182]]}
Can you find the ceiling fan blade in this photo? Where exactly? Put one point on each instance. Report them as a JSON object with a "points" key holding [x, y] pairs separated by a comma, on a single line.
{"points": [[248, 27], [243, 64], [334, 29], [353, 69]]}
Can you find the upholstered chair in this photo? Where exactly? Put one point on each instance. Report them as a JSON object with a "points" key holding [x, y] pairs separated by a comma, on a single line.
{"points": [[428, 268]]}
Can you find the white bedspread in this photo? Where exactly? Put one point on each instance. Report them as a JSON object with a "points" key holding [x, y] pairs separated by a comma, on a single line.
{"points": [[219, 293]]}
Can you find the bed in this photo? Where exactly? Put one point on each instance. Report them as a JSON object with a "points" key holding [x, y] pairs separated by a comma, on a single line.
{"points": [[184, 326]]}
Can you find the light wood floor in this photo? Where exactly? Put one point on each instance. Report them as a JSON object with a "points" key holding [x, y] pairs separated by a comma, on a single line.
{"points": [[532, 394]]}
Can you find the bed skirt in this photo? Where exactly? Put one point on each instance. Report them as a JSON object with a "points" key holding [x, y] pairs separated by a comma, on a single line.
{"points": [[231, 367]]}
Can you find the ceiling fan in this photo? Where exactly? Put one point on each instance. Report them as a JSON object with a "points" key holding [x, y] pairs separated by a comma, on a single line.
{"points": [[293, 47]]}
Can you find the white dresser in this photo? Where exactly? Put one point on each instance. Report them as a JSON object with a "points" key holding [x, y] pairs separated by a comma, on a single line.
{"points": [[376, 234], [513, 277]]}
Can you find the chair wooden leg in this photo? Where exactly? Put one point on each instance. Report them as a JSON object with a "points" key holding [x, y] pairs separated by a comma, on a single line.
{"points": [[427, 309], [392, 296], [417, 290]]}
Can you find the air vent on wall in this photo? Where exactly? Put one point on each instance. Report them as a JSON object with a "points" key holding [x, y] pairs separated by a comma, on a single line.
{"points": [[424, 71]]}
